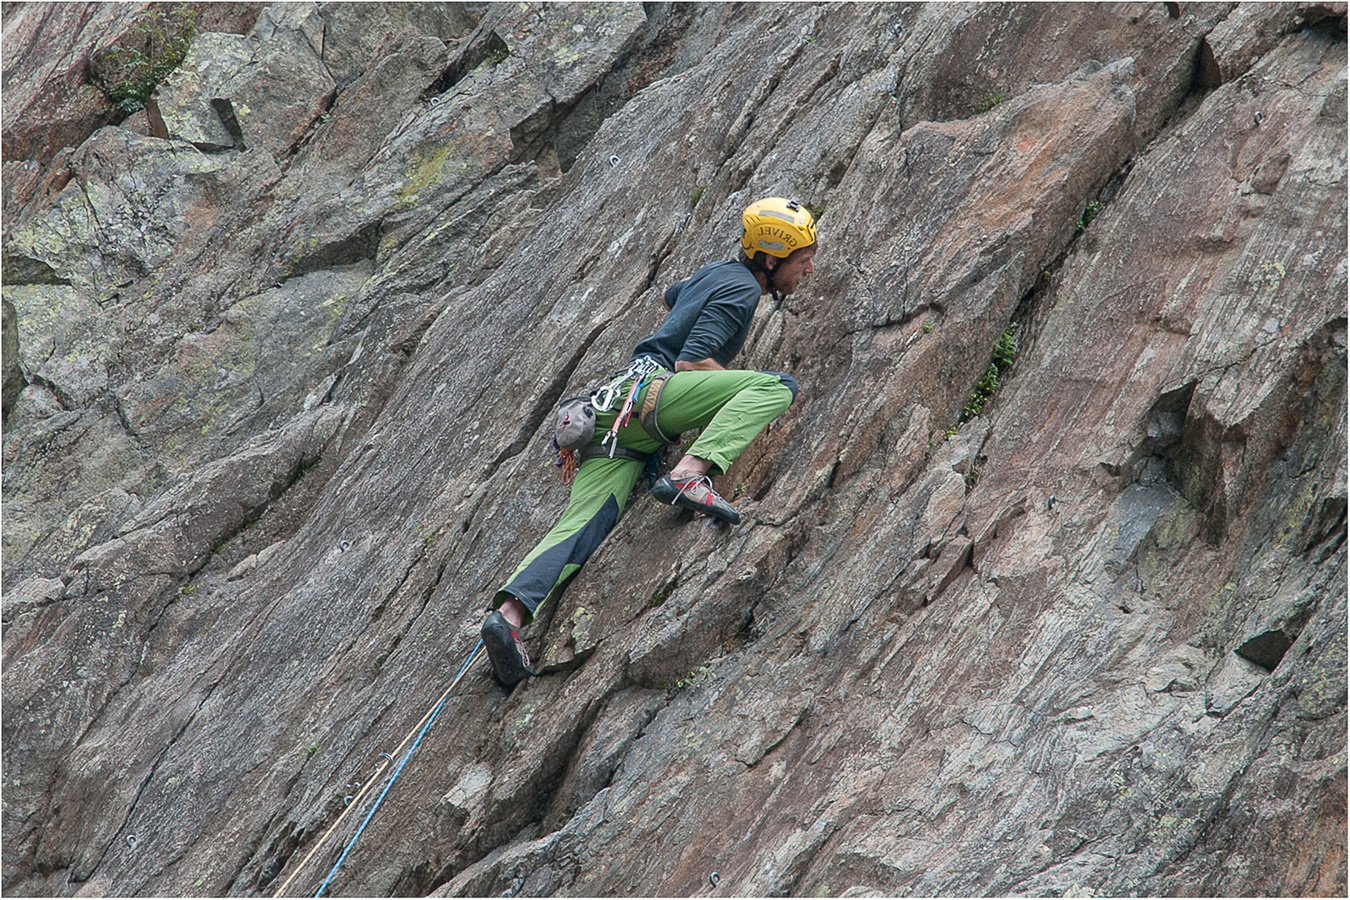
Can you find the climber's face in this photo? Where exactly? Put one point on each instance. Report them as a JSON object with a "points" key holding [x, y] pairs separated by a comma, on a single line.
{"points": [[788, 274]]}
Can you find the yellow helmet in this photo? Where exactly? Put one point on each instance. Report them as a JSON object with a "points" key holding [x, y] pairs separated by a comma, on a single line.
{"points": [[777, 227]]}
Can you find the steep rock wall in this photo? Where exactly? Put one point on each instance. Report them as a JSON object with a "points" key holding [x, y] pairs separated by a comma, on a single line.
{"points": [[288, 339]]}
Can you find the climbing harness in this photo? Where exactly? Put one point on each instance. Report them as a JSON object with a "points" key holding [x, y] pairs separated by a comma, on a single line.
{"points": [[386, 759], [650, 403], [639, 372], [574, 429]]}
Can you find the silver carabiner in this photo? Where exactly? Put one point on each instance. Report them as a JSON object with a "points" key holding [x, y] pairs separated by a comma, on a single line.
{"points": [[603, 398], [644, 367], [639, 370]]}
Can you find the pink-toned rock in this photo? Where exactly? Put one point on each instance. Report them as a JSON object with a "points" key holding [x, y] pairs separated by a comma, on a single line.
{"points": [[286, 424]]}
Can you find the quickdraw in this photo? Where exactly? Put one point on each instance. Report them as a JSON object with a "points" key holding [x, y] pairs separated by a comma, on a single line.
{"points": [[642, 368], [639, 372]]}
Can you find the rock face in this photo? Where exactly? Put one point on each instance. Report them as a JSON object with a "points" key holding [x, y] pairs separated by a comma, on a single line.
{"points": [[284, 344]]}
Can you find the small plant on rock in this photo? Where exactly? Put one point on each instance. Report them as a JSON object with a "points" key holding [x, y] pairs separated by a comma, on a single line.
{"points": [[1089, 213], [161, 40], [702, 673], [992, 99], [1004, 351]]}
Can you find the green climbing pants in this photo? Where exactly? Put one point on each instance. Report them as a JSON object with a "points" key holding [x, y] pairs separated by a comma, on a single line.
{"points": [[731, 406]]}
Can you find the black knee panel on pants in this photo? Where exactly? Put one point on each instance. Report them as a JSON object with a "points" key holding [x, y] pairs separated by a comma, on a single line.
{"points": [[786, 381]]}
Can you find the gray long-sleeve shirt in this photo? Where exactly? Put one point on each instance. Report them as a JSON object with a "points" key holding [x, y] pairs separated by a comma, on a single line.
{"points": [[709, 316]]}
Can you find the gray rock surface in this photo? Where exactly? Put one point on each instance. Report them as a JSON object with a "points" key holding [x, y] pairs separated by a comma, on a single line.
{"points": [[283, 350]]}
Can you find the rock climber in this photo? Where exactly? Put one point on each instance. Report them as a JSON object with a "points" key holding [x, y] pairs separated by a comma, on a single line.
{"points": [[678, 380]]}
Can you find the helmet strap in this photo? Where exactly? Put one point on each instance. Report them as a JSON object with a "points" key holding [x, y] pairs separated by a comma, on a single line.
{"points": [[757, 265], [773, 288]]}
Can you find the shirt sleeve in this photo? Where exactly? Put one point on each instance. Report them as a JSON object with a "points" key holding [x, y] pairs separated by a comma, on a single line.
{"points": [[672, 293], [722, 318]]}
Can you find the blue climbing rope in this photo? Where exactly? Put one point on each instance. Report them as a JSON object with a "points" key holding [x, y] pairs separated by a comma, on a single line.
{"points": [[392, 778]]}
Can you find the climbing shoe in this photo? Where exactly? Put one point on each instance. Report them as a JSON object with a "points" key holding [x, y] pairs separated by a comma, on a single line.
{"points": [[696, 493], [510, 662]]}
